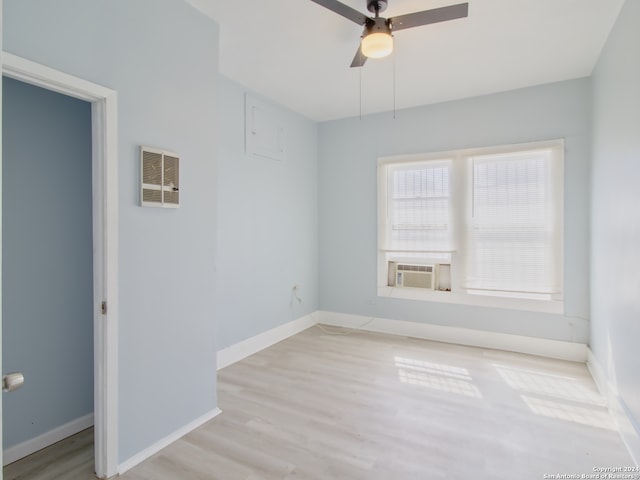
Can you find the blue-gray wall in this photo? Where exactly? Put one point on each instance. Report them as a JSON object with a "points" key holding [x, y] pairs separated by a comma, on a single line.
{"points": [[161, 56], [615, 232], [47, 271], [267, 224], [349, 150]]}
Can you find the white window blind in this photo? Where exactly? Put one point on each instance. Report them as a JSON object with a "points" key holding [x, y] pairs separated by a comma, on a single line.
{"points": [[418, 207], [514, 239]]}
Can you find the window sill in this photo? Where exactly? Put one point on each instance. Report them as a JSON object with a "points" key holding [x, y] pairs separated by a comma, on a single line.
{"points": [[544, 306]]}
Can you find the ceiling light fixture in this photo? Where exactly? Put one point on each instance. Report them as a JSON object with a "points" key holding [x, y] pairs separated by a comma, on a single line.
{"points": [[377, 41]]}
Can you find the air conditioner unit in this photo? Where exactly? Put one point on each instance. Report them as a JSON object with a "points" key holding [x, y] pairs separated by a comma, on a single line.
{"points": [[414, 276]]}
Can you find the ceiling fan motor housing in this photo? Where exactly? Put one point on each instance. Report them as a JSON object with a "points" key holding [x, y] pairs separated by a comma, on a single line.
{"points": [[377, 25], [376, 6]]}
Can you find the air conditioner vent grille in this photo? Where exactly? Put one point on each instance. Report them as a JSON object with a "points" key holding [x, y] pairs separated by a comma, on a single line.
{"points": [[415, 268]]}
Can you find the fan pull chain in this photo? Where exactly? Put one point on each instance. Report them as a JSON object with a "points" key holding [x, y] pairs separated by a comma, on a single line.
{"points": [[360, 92], [394, 82]]}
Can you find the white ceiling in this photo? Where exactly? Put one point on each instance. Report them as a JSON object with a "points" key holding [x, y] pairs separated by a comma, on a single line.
{"points": [[298, 53]]}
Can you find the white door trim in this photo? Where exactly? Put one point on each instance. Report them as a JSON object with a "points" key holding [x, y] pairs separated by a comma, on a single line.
{"points": [[104, 118]]}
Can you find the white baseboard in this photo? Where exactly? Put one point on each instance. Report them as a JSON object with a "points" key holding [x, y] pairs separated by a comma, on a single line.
{"points": [[243, 349], [28, 447], [627, 426], [576, 352], [166, 441]]}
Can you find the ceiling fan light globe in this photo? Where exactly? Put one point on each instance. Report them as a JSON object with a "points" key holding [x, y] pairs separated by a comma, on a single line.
{"points": [[377, 45]]}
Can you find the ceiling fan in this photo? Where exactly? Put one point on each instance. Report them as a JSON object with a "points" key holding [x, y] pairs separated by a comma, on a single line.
{"points": [[377, 39]]}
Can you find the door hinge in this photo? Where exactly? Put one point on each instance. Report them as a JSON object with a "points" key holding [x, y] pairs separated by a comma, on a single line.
{"points": [[103, 308]]}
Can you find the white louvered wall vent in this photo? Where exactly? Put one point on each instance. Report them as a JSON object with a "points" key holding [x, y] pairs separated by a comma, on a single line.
{"points": [[160, 178]]}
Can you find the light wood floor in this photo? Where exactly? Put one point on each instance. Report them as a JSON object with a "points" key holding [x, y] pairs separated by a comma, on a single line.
{"points": [[70, 459], [368, 406]]}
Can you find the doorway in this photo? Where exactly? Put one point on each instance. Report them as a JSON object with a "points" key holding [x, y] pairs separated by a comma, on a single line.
{"points": [[47, 266], [104, 213]]}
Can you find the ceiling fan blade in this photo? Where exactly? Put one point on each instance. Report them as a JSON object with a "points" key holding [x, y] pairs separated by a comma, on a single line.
{"points": [[344, 10], [426, 17], [359, 59]]}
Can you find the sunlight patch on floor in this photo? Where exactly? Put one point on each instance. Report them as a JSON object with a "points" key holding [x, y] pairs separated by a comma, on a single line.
{"points": [[543, 383], [586, 415], [437, 376], [558, 396]]}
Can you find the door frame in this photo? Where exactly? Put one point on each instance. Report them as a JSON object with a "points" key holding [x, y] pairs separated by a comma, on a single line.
{"points": [[104, 127]]}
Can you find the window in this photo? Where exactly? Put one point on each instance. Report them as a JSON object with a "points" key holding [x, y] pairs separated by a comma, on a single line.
{"points": [[418, 207], [487, 221]]}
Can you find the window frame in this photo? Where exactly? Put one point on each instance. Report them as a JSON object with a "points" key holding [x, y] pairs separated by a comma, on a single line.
{"points": [[461, 200]]}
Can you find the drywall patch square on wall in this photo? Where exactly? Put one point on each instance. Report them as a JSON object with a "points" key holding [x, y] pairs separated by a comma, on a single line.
{"points": [[264, 131]]}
